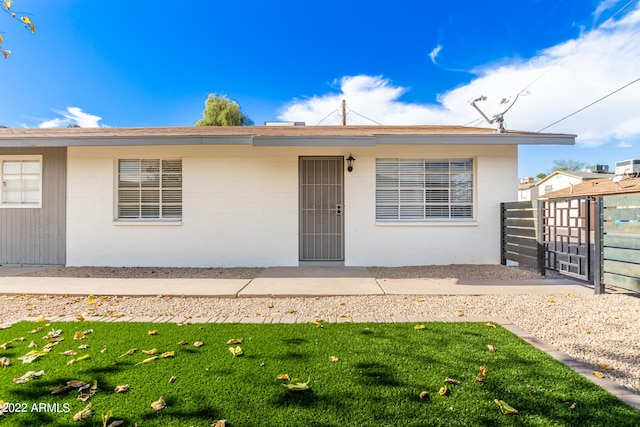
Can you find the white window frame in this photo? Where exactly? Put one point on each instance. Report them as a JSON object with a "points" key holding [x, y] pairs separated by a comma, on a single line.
{"points": [[402, 185], [21, 174], [167, 199]]}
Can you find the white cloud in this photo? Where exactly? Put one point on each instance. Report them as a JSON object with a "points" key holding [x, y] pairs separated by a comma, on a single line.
{"points": [[73, 116], [434, 53], [561, 80], [624, 144]]}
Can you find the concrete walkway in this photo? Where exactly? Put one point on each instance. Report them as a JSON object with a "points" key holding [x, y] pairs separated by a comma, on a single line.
{"points": [[281, 282]]}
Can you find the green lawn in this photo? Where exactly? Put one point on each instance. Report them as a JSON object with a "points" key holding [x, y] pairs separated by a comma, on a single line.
{"points": [[380, 372]]}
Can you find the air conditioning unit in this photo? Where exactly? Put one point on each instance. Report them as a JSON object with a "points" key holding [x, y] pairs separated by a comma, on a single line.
{"points": [[629, 167], [598, 169]]}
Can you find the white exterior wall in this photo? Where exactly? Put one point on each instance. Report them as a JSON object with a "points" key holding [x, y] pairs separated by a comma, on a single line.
{"points": [[240, 208], [557, 182]]}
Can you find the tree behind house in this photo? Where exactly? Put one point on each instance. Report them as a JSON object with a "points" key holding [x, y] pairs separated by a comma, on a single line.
{"points": [[222, 111]]}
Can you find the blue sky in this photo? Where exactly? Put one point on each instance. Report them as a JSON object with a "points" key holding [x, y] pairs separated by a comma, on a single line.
{"points": [[153, 63]]}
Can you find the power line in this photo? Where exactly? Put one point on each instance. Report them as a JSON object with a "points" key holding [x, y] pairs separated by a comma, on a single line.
{"points": [[326, 117], [587, 106], [366, 118]]}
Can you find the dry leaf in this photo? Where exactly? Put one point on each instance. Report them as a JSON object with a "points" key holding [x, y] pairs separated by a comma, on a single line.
{"points": [[423, 395], [605, 366], [84, 397], [173, 379], [296, 384], [284, 377], [198, 344], [183, 342], [451, 381], [148, 360], [444, 391], [220, 423], [159, 404], [551, 300], [237, 351], [615, 316], [83, 346], [69, 353], [418, 327], [167, 354], [420, 300], [334, 359], [5, 361], [492, 348], [153, 332], [128, 352], [573, 406], [79, 318], [121, 388], [28, 377], [84, 414], [6, 345], [36, 330], [598, 374], [152, 351], [32, 344], [234, 341], [483, 374], [491, 325]]}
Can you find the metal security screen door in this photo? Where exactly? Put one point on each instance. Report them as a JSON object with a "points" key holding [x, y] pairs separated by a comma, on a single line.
{"points": [[321, 210]]}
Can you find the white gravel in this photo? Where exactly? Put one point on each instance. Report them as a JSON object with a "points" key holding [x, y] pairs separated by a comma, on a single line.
{"points": [[595, 329]]}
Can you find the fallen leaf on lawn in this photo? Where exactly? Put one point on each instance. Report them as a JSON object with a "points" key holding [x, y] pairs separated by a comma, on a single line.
{"points": [[128, 352], [69, 353], [296, 384], [83, 357], [573, 406], [80, 335], [76, 384], [36, 330], [121, 388], [159, 404], [173, 379], [319, 325], [167, 354], [84, 414], [483, 374], [32, 344], [234, 341], [423, 395], [284, 377], [6, 345], [598, 374], [491, 325], [183, 342], [148, 360], [28, 377], [31, 356], [152, 351], [505, 408], [334, 359], [83, 347], [104, 350], [219, 423], [153, 332], [52, 334], [94, 387], [84, 397], [198, 344], [492, 348], [418, 327], [5, 361], [19, 339], [451, 381], [444, 390], [237, 351], [605, 366]]}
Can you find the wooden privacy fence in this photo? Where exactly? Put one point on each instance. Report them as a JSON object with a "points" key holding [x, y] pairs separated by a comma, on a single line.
{"points": [[519, 235], [617, 242]]}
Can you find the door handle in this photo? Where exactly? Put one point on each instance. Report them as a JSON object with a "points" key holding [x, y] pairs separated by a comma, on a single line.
{"points": [[339, 209]]}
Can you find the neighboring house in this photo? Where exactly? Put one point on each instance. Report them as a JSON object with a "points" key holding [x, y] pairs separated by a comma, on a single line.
{"points": [[257, 196], [598, 187], [558, 180], [527, 190]]}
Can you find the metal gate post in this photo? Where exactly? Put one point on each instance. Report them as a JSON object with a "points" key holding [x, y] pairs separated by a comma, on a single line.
{"points": [[598, 261], [539, 222]]}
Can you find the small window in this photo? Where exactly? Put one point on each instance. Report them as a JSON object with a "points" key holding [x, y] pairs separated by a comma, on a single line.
{"points": [[422, 190], [149, 189], [21, 178]]}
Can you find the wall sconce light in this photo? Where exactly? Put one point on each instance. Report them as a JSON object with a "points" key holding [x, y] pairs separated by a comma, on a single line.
{"points": [[350, 161]]}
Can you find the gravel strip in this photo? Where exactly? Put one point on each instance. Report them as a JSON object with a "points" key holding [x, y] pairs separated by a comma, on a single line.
{"points": [[595, 329]]}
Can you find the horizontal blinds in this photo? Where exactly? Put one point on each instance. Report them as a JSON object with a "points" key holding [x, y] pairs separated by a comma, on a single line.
{"points": [[423, 189], [21, 182], [149, 189]]}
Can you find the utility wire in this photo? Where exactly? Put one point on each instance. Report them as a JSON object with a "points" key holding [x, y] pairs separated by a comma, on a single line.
{"points": [[366, 118], [587, 106], [326, 117]]}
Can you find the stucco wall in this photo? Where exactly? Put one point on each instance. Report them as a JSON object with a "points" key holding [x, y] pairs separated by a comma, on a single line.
{"points": [[240, 208]]}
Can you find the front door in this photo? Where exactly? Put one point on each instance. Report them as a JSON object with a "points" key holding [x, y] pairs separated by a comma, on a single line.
{"points": [[321, 209]]}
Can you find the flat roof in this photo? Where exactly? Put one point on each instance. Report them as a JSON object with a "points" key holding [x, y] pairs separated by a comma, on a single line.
{"points": [[273, 135]]}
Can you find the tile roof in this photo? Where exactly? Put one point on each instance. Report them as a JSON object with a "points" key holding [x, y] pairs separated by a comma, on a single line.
{"points": [[597, 187]]}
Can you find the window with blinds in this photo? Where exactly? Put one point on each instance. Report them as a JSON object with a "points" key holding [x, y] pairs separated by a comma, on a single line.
{"points": [[424, 189], [149, 189], [21, 181]]}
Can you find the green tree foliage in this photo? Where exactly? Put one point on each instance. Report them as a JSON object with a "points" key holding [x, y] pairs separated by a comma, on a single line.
{"points": [[222, 111], [5, 6], [568, 165]]}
